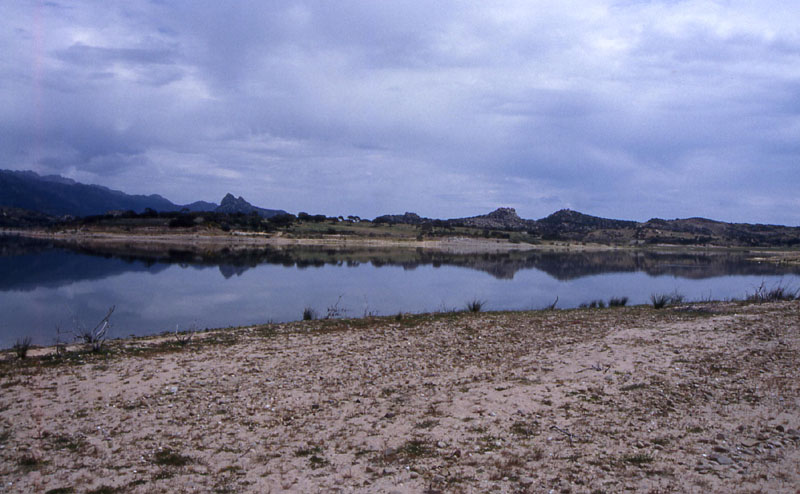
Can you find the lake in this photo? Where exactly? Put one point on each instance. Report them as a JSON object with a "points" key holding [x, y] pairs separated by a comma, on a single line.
{"points": [[45, 285]]}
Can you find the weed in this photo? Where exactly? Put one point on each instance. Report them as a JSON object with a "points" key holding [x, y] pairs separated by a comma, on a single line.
{"points": [[777, 293], [415, 448], [309, 314], [521, 428], [167, 457], [475, 305], [662, 300], [29, 461], [185, 337], [105, 489], [618, 301], [22, 346], [307, 451], [553, 305], [317, 461], [334, 311], [594, 304], [637, 459], [632, 387], [96, 337]]}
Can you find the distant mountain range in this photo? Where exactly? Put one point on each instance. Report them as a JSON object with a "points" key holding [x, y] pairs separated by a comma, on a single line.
{"points": [[58, 196], [28, 199], [573, 226]]}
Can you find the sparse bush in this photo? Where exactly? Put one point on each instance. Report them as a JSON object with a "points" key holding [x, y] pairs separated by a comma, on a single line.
{"points": [[594, 304], [475, 305], [777, 293], [309, 314], [22, 346], [334, 310], [662, 300], [97, 336], [183, 338], [618, 301], [553, 305], [167, 457], [637, 459]]}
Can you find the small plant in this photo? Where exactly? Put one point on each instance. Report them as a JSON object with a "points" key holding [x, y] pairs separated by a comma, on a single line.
{"points": [[21, 347], [594, 304], [475, 305], [618, 301], [309, 314], [167, 457], [185, 337], [97, 336], [662, 300], [553, 305], [777, 293], [638, 459], [334, 310]]}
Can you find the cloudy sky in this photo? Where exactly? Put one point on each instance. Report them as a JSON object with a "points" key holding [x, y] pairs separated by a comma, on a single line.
{"points": [[618, 108]]}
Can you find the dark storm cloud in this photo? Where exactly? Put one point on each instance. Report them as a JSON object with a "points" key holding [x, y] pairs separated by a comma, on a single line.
{"points": [[624, 109]]}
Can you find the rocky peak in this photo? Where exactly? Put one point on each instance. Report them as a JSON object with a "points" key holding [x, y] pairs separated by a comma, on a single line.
{"points": [[504, 214], [231, 204]]}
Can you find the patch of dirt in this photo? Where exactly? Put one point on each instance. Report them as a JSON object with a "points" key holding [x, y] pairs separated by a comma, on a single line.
{"points": [[580, 401]]}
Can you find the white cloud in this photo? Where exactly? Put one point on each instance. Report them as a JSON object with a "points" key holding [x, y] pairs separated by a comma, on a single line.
{"points": [[621, 108]]}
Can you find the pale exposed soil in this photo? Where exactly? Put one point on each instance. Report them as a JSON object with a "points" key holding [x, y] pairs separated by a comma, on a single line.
{"points": [[702, 398], [234, 240]]}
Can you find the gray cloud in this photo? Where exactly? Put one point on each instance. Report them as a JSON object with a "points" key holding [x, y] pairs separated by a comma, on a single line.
{"points": [[624, 109]]}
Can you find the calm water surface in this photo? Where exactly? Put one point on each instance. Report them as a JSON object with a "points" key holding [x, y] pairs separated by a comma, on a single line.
{"points": [[45, 285]]}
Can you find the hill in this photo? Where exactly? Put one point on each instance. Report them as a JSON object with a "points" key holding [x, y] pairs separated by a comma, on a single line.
{"points": [[568, 225], [56, 196]]}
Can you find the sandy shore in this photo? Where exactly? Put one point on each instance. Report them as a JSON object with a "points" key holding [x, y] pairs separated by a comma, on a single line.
{"points": [[211, 241], [702, 398]]}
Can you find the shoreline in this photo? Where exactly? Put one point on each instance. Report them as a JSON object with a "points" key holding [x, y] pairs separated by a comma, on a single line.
{"points": [[695, 398], [455, 245]]}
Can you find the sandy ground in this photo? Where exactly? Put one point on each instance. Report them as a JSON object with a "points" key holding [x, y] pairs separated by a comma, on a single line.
{"points": [[702, 398], [233, 240]]}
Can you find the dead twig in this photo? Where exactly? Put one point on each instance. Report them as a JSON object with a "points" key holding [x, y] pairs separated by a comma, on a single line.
{"points": [[566, 433]]}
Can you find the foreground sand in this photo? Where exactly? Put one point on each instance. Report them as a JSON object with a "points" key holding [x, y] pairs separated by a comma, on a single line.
{"points": [[701, 398]]}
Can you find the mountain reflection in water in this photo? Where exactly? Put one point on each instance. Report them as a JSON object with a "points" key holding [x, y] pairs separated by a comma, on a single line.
{"points": [[29, 263], [46, 285]]}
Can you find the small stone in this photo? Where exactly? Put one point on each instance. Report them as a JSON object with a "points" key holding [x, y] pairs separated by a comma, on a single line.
{"points": [[720, 437], [779, 428], [720, 449], [414, 475], [721, 459], [390, 415], [389, 452]]}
